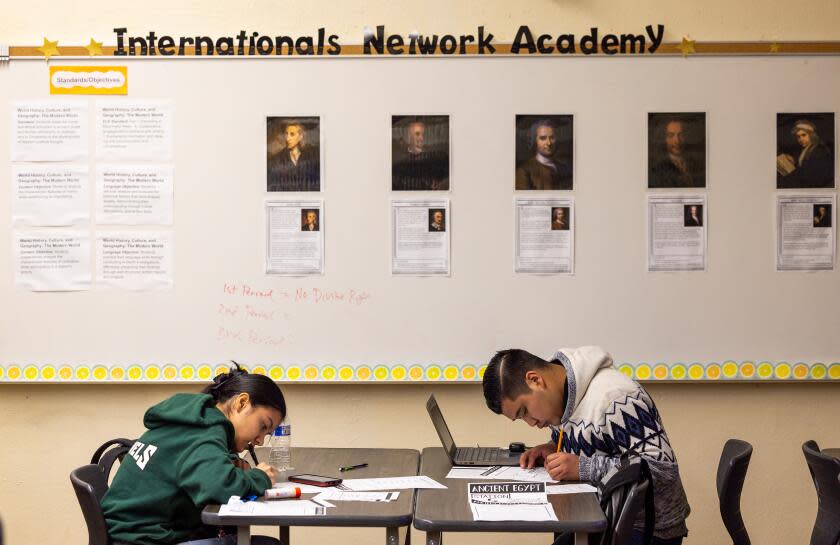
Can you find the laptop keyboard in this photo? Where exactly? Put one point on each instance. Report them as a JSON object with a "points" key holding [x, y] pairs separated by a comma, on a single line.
{"points": [[478, 454]]}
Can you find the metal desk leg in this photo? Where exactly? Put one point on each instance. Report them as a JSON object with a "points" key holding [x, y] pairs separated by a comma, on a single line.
{"points": [[284, 535], [581, 538], [243, 535], [392, 536], [434, 538]]}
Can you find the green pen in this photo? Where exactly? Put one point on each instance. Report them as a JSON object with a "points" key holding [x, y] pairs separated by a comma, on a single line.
{"points": [[348, 468]]}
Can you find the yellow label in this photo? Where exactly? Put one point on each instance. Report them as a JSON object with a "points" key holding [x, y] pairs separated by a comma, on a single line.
{"points": [[88, 80]]}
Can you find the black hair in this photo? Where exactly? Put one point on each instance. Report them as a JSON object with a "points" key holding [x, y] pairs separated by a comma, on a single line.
{"points": [[504, 377], [263, 391]]}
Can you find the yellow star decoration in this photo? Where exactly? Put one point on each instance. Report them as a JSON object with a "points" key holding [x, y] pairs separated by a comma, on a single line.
{"points": [[49, 49], [94, 48], [775, 48], [687, 46]]}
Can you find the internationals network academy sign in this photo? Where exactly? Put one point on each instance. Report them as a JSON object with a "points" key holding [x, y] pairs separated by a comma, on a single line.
{"points": [[378, 42]]}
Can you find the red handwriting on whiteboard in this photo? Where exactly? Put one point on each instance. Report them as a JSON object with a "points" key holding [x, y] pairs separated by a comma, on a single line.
{"points": [[352, 297], [248, 336]]}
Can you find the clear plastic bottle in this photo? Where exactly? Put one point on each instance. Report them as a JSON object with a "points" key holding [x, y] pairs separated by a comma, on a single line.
{"points": [[280, 447]]}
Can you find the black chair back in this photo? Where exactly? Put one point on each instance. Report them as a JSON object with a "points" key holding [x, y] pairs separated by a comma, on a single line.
{"points": [[111, 451], [825, 472], [614, 491], [633, 507], [732, 470], [90, 484]]}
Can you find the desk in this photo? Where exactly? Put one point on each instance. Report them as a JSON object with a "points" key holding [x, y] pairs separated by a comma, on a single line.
{"points": [[448, 510], [326, 461], [832, 452]]}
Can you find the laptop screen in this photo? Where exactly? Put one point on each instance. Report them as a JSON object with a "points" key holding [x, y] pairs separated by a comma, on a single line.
{"points": [[440, 425]]}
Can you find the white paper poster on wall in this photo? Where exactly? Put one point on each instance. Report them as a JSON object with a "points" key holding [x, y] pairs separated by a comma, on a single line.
{"points": [[134, 194], [677, 233], [134, 260], [49, 130], [420, 231], [52, 260], [294, 237], [805, 232], [50, 195], [134, 130], [544, 235]]}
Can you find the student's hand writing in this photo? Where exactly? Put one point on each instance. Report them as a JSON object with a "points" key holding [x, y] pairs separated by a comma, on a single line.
{"points": [[241, 464], [270, 471], [563, 466], [533, 456]]}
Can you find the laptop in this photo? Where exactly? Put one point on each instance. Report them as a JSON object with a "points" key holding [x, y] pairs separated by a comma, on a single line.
{"points": [[469, 456]]}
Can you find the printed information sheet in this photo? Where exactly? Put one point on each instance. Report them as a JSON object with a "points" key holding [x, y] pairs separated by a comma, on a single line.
{"points": [[52, 260], [510, 501], [294, 237], [420, 237], [805, 232], [134, 194], [677, 233], [134, 130], [49, 130], [545, 236], [50, 194], [135, 260]]}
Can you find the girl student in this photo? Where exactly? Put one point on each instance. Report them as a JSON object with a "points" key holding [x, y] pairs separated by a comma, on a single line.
{"points": [[187, 459]]}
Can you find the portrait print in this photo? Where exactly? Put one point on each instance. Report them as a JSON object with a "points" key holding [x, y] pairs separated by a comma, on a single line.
{"points": [[804, 156], [559, 218], [437, 220], [693, 215], [420, 153], [544, 152], [677, 150], [293, 153], [822, 215], [310, 219]]}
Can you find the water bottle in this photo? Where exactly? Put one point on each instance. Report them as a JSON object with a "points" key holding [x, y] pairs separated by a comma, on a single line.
{"points": [[280, 447]]}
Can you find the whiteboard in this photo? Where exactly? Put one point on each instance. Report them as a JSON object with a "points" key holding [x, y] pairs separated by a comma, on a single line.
{"points": [[357, 313]]}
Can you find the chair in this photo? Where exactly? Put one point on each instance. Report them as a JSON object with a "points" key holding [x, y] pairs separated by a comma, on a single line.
{"points": [[623, 495], [633, 507], [90, 483], [109, 452], [824, 472], [732, 470]]}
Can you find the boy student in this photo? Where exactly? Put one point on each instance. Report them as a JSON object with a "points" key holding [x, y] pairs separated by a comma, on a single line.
{"points": [[600, 413]]}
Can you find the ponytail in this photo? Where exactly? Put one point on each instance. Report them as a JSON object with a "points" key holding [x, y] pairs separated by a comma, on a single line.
{"points": [[261, 389]]}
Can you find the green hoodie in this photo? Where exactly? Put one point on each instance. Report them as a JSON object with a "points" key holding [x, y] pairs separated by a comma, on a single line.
{"points": [[181, 464]]}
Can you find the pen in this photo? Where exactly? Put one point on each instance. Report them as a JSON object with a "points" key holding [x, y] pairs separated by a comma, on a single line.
{"points": [[560, 440], [348, 468], [253, 454]]}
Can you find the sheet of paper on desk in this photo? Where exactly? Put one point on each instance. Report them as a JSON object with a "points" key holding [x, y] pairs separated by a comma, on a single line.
{"points": [[472, 472], [296, 508], [339, 495], [389, 483], [508, 473], [509, 501], [570, 488]]}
